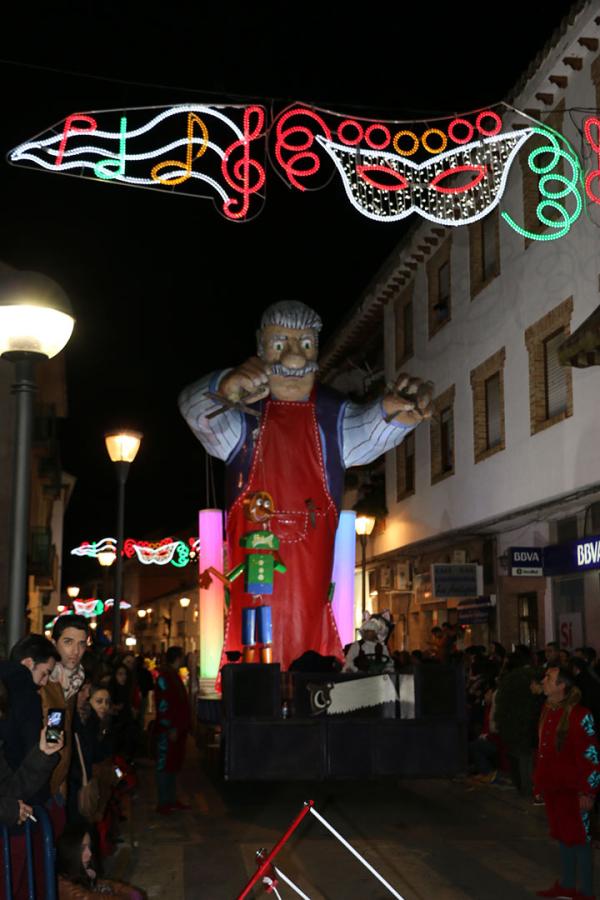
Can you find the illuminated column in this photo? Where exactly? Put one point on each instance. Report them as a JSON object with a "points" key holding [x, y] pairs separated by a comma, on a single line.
{"points": [[344, 562], [211, 599]]}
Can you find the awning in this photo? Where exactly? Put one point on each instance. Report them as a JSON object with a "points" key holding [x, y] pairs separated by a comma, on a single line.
{"points": [[582, 348]]}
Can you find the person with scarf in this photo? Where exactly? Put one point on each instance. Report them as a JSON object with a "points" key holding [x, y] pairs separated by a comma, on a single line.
{"points": [[567, 776], [70, 637]]}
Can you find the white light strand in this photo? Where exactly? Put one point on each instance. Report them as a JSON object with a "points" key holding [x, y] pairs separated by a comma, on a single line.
{"points": [[355, 853], [290, 883]]}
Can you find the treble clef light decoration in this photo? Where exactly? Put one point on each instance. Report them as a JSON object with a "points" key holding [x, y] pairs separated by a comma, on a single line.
{"points": [[551, 196], [240, 178]]}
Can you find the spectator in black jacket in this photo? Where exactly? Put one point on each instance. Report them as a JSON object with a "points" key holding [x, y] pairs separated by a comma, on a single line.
{"points": [[32, 660]]}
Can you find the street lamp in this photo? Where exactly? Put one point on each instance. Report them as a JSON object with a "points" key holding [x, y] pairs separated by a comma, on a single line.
{"points": [[122, 447], [184, 602], [364, 525], [36, 322], [72, 592]]}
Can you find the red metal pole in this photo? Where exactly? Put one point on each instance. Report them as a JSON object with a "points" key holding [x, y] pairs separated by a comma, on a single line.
{"points": [[271, 856]]}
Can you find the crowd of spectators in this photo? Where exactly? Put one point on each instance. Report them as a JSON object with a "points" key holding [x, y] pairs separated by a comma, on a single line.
{"points": [[83, 771]]}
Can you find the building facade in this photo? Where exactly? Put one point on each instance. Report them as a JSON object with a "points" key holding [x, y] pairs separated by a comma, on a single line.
{"points": [[509, 458]]}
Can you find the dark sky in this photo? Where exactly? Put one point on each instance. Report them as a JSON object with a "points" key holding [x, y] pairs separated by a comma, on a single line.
{"points": [[164, 289]]}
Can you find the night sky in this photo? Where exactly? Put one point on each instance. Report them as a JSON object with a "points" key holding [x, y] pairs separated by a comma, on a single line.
{"points": [[163, 288]]}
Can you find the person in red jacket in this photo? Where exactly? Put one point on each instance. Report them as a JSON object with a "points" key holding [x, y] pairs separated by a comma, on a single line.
{"points": [[172, 727], [567, 775]]}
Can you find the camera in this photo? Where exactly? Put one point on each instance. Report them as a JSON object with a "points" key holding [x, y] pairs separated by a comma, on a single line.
{"points": [[55, 725]]}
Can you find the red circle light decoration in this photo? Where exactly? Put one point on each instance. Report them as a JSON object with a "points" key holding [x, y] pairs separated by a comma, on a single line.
{"points": [[386, 140], [463, 140], [350, 123], [488, 114]]}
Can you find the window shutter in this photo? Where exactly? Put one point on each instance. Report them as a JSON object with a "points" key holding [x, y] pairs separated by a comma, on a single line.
{"points": [[492, 411], [556, 382]]}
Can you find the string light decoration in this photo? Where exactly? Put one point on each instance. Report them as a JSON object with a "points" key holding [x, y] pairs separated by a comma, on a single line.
{"points": [[549, 173], [159, 553], [451, 172], [429, 187], [222, 157], [594, 174]]}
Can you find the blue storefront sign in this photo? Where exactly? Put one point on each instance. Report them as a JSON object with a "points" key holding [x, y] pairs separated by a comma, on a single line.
{"points": [[475, 611], [526, 561], [573, 556]]}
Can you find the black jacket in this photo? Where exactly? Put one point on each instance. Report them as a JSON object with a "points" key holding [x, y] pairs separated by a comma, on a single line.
{"points": [[31, 775], [20, 730]]}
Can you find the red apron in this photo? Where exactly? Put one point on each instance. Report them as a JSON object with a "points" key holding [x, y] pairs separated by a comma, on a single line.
{"points": [[288, 463]]}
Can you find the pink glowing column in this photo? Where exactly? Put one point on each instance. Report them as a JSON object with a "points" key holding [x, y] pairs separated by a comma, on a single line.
{"points": [[211, 599], [344, 562]]}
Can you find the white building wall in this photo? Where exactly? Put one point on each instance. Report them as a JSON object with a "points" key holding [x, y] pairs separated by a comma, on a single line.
{"points": [[532, 281]]}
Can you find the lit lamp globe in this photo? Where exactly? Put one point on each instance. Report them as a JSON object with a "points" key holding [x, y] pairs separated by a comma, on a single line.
{"points": [[72, 592], [141, 613], [122, 446], [364, 525], [36, 319], [184, 602], [106, 557]]}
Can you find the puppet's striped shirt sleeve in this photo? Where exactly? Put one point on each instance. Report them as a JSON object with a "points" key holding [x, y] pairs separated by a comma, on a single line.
{"points": [[366, 435], [219, 436]]}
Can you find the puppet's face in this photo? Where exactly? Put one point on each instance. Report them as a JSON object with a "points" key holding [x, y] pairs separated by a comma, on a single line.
{"points": [[259, 506], [291, 354]]}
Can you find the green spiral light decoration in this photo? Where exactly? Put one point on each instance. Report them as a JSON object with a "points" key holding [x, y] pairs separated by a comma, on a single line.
{"points": [[551, 196]]}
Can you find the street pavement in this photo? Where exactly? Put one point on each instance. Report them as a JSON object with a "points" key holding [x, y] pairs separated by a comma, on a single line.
{"points": [[430, 839]]}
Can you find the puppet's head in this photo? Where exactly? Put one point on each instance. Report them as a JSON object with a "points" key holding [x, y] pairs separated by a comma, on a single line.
{"points": [[288, 342], [378, 627], [258, 506]]}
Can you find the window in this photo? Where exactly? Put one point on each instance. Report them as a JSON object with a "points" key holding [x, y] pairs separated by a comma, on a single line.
{"points": [[442, 436], [439, 281], [487, 384], [404, 328], [555, 381], [493, 430], [528, 619], [484, 252], [550, 384], [490, 263], [405, 467]]}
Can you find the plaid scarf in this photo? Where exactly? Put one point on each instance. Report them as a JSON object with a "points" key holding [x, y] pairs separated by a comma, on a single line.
{"points": [[70, 679]]}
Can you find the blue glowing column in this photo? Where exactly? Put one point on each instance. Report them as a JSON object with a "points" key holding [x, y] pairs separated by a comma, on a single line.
{"points": [[344, 562], [212, 603]]}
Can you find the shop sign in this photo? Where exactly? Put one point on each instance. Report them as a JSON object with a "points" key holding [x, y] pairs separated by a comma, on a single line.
{"points": [[475, 611], [457, 580], [572, 556], [526, 561], [570, 631]]}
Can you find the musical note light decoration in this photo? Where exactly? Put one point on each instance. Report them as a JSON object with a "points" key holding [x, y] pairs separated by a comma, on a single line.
{"points": [[159, 553], [159, 148], [452, 174]]}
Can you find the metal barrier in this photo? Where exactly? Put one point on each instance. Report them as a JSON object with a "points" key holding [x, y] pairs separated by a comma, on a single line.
{"points": [[44, 828]]}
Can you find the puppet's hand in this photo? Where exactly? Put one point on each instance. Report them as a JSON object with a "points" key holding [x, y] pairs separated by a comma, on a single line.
{"points": [[408, 400], [205, 579], [248, 382]]}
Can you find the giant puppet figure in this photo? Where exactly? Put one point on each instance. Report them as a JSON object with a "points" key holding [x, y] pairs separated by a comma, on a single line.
{"points": [[282, 432]]}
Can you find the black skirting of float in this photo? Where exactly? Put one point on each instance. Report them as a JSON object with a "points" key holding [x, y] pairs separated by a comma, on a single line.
{"points": [[259, 743]]}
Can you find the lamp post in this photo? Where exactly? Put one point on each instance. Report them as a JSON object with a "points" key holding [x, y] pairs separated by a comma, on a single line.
{"points": [[36, 323], [364, 525], [184, 602], [122, 447]]}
